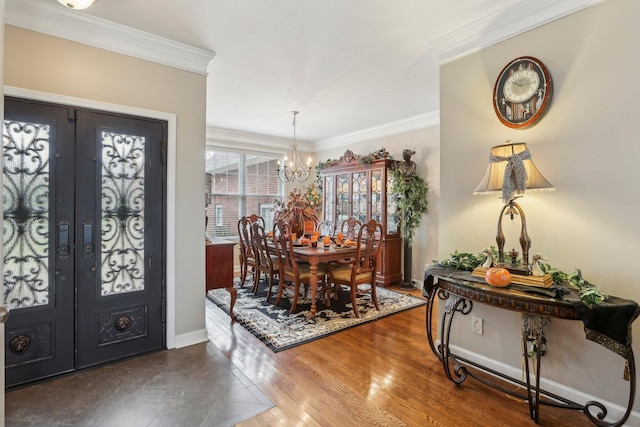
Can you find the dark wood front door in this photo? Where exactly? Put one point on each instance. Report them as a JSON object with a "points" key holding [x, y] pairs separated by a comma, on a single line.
{"points": [[83, 204]]}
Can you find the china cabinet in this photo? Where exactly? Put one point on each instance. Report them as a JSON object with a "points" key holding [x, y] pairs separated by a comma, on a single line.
{"points": [[357, 186]]}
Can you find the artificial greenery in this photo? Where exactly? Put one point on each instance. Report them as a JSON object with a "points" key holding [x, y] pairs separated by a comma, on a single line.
{"points": [[589, 294], [412, 199], [465, 260], [360, 159]]}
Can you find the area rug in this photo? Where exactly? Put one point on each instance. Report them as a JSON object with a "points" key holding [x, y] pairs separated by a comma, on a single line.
{"points": [[280, 330]]}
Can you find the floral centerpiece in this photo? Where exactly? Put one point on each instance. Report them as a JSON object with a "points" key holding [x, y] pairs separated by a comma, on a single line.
{"points": [[299, 208]]}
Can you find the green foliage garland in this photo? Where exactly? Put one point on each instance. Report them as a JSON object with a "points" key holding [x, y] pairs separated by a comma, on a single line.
{"points": [[589, 294], [412, 199]]}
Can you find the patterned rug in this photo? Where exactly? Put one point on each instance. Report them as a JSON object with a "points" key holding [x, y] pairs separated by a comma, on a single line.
{"points": [[280, 330]]}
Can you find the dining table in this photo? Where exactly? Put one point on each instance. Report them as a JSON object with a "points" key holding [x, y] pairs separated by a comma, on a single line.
{"points": [[315, 256]]}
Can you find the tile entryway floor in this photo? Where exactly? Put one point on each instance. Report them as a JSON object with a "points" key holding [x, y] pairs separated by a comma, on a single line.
{"points": [[191, 386]]}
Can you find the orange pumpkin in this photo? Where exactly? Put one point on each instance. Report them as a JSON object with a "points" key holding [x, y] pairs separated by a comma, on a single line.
{"points": [[498, 277]]}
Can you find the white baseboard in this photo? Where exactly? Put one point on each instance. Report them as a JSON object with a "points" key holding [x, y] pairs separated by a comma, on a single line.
{"points": [[615, 411], [191, 338]]}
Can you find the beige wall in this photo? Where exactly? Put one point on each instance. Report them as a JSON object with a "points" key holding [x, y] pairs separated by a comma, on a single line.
{"points": [[43, 63], [587, 146], [426, 143]]}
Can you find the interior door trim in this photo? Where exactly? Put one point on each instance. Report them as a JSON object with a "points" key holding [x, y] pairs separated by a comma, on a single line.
{"points": [[171, 120]]}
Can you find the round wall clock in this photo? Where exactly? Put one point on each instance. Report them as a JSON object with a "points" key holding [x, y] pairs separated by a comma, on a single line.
{"points": [[522, 92]]}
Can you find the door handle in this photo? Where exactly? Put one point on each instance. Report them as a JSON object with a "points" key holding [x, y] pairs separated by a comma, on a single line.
{"points": [[87, 239], [63, 240]]}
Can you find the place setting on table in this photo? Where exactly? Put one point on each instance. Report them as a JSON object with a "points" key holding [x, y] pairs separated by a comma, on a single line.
{"points": [[315, 240]]}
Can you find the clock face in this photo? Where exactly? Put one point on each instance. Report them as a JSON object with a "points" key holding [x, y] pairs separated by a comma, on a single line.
{"points": [[522, 92]]}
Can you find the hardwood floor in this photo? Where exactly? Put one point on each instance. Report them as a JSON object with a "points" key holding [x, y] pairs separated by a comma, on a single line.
{"points": [[380, 373]]}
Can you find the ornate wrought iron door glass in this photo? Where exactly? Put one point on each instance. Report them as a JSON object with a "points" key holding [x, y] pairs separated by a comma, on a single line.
{"points": [[122, 222], [26, 214]]}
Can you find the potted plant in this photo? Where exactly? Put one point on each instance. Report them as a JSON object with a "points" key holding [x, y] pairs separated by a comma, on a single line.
{"points": [[412, 199], [298, 209]]}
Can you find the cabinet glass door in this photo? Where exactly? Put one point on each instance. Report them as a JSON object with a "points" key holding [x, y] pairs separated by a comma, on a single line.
{"points": [[343, 198], [329, 198], [393, 214], [360, 199], [376, 195]]}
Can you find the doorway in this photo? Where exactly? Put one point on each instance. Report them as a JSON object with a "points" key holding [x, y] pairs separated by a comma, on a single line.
{"points": [[84, 214]]}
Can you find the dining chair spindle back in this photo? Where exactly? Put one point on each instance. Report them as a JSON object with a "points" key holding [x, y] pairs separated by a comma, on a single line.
{"points": [[350, 227], [265, 262], [246, 252]]}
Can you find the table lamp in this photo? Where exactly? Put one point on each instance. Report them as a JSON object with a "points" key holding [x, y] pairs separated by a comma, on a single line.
{"points": [[510, 173]]}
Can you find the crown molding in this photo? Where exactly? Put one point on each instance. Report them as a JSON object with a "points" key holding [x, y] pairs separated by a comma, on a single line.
{"points": [[504, 24], [421, 121], [53, 19], [230, 138]]}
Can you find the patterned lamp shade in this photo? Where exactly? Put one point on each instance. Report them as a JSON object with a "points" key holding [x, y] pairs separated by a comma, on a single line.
{"points": [[511, 171]]}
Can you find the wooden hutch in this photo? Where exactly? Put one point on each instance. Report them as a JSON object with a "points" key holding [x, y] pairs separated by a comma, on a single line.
{"points": [[357, 186]]}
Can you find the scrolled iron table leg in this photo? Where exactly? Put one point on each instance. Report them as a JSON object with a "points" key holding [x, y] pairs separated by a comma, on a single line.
{"points": [[532, 330], [453, 305]]}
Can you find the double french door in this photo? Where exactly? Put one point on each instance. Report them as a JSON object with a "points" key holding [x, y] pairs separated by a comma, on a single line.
{"points": [[83, 204]]}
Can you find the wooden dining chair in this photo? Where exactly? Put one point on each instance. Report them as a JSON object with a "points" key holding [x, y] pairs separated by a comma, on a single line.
{"points": [[292, 273], [266, 262], [326, 228], [246, 255], [350, 227], [359, 273]]}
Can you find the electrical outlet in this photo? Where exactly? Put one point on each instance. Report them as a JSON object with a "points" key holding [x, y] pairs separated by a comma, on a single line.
{"points": [[476, 325]]}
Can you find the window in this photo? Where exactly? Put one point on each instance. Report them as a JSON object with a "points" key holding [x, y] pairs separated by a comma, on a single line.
{"points": [[219, 216], [243, 183], [266, 212]]}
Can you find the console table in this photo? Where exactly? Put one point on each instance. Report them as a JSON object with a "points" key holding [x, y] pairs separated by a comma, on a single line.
{"points": [[608, 324], [219, 268]]}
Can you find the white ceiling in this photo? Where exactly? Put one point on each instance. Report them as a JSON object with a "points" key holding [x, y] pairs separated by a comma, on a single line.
{"points": [[348, 66]]}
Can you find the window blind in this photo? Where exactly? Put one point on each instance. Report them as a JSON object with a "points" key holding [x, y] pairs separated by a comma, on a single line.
{"points": [[243, 183]]}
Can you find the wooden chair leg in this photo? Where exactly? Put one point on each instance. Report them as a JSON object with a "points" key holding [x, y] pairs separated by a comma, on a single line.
{"points": [[353, 300], [243, 273], [326, 292], [294, 303], [270, 285], [374, 296], [256, 281], [280, 290]]}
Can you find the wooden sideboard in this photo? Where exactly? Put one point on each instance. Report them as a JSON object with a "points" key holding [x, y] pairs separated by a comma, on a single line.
{"points": [[219, 268]]}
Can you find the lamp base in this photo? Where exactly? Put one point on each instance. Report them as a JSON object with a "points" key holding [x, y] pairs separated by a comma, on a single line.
{"points": [[521, 279]]}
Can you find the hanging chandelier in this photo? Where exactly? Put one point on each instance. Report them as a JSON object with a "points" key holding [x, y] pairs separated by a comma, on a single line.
{"points": [[77, 4], [293, 168]]}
